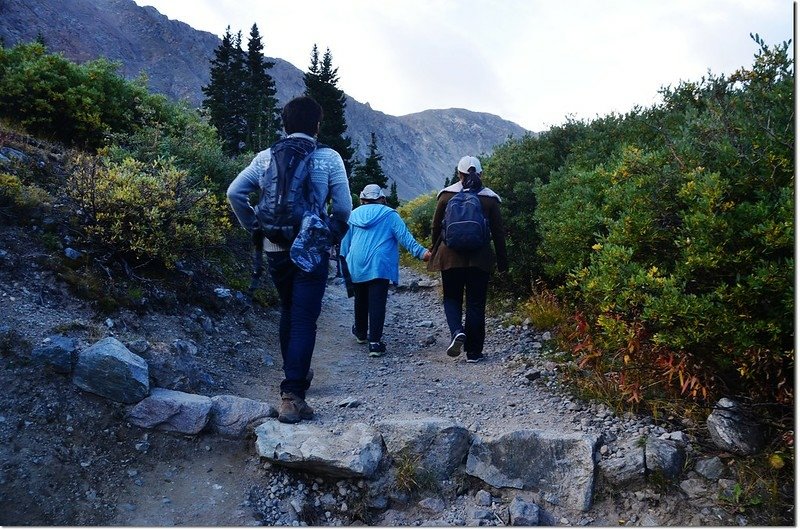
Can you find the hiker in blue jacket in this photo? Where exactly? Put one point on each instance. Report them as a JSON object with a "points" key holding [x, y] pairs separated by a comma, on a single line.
{"points": [[371, 251]]}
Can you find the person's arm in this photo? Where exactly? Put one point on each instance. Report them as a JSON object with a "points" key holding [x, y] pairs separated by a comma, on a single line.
{"points": [[344, 245], [498, 236], [242, 186], [341, 200], [438, 216], [405, 237]]}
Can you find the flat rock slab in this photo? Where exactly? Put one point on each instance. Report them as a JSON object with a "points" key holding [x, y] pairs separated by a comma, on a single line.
{"points": [[352, 453], [171, 410], [232, 415], [560, 466]]}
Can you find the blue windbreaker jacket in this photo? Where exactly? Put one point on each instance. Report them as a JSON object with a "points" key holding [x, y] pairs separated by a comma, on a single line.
{"points": [[370, 246]]}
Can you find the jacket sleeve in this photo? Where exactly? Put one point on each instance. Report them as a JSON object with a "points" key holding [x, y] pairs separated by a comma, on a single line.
{"points": [[242, 186], [405, 237], [498, 236], [438, 216], [341, 200], [344, 245]]}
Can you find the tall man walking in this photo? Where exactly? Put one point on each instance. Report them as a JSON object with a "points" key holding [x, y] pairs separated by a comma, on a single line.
{"points": [[300, 291]]}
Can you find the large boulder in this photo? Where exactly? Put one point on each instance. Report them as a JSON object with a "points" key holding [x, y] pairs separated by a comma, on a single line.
{"points": [[171, 410], [441, 443], [109, 369], [355, 452], [560, 466]]}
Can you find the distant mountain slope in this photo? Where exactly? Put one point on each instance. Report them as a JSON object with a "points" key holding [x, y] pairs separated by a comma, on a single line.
{"points": [[420, 150]]}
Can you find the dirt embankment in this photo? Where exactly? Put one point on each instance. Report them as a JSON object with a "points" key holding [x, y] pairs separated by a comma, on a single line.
{"points": [[71, 458]]}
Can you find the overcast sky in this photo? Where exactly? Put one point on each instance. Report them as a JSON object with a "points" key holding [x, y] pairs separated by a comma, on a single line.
{"points": [[534, 62]]}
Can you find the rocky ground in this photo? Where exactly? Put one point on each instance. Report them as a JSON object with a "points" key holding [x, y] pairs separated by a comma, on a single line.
{"points": [[68, 457]]}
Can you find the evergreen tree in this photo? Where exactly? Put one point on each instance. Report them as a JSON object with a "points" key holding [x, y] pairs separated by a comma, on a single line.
{"points": [[370, 171], [224, 100], [321, 80], [262, 113], [393, 200]]}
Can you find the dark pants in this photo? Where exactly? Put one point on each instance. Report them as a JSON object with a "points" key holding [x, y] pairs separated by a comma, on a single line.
{"points": [[474, 282], [300, 294], [370, 307]]}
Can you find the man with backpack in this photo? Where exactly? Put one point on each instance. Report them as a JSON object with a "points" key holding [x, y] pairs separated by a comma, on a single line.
{"points": [[466, 221], [296, 178]]}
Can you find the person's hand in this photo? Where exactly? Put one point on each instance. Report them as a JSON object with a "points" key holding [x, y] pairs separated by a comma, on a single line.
{"points": [[426, 256], [257, 237]]}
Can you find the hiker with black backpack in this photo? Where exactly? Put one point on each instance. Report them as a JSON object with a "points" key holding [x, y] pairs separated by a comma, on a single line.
{"points": [[466, 222], [296, 178], [372, 257]]}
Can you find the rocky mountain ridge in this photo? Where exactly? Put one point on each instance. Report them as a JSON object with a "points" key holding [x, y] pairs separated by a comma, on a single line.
{"points": [[420, 150]]}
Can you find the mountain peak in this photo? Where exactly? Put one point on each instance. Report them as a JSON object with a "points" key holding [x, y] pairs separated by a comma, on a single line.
{"points": [[419, 150]]}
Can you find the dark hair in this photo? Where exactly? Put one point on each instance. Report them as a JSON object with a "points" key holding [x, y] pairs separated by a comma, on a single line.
{"points": [[471, 180], [302, 114]]}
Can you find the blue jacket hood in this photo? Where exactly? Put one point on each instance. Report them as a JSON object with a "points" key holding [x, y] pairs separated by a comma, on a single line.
{"points": [[368, 215]]}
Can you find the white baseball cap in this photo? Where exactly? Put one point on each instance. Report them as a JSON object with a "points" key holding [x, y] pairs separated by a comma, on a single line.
{"points": [[371, 192], [467, 162]]}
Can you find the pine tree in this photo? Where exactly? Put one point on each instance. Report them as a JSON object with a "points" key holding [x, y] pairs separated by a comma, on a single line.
{"points": [[370, 171], [262, 113], [321, 80], [393, 200], [224, 101]]}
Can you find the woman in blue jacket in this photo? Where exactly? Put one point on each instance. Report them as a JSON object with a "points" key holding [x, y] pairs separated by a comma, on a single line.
{"points": [[370, 248]]}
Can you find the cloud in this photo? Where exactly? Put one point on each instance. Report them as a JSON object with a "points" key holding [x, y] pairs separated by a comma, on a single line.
{"points": [[531, 61]]}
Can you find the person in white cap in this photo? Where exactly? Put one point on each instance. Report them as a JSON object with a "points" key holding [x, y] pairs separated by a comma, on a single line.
{"points": [[467, 273], [371, 251]]}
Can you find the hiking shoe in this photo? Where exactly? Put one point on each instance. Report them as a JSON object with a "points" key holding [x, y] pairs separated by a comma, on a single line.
{"points": [[361, 339], [454, 350], [376, 349], [293, 409], [474, 357]]}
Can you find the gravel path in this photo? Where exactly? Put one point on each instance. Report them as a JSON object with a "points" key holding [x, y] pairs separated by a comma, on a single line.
{"points": [[70, 458]]}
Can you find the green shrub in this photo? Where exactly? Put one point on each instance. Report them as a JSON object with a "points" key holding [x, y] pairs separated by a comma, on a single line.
{"points": [[146, 212], [418, 215], [684, 251], [174, 131], [671, 231], [54, 98], [19, 200]]}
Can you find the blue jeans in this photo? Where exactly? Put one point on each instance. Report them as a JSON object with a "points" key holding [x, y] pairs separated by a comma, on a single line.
{"points": [[475, 283], [370, 307], [300, 294]]}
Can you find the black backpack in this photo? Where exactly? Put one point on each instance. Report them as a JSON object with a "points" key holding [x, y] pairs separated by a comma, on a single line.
{"points": [[285, 190], [464, 227]]}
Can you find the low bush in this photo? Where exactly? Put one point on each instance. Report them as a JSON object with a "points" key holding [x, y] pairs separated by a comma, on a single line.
{"points": [[418, 214], [19, 201], [145, 212]]}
